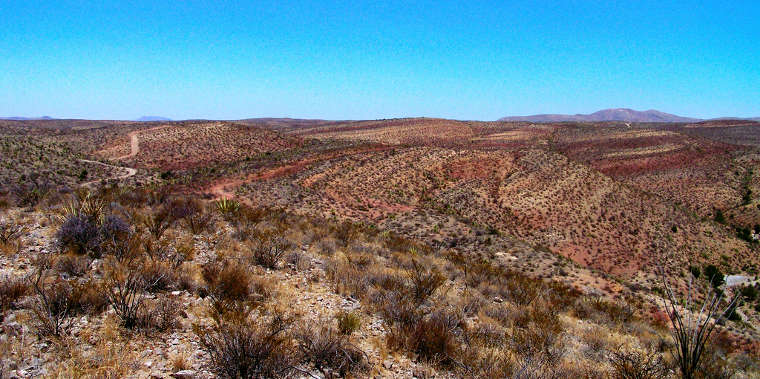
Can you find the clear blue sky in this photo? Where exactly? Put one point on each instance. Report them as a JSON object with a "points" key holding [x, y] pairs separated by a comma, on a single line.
{"points": [[366, 60]]}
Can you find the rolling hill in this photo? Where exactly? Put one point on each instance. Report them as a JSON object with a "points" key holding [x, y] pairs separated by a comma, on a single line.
{"points": [[617, 114]]}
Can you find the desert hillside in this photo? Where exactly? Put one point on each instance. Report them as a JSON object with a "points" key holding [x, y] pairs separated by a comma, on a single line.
{"points": [[381, 248]]}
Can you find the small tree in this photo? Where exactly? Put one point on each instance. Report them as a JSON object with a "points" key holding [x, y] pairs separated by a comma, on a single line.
{"points": [[691, 330]]}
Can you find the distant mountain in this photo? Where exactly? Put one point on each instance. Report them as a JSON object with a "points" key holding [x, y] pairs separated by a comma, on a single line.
{"points": [[27, 118], [618, 114], [152, 118]]}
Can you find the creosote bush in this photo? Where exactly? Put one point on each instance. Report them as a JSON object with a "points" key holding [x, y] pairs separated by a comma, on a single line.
{"points": [[244, 345], [123, 287], [227, 281], [329, 351], [268, 249], [51, 304]]}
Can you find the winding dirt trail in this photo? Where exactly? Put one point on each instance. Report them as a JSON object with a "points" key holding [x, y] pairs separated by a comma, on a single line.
{"points": [[134, 147], [134, 142], [129, 172]]}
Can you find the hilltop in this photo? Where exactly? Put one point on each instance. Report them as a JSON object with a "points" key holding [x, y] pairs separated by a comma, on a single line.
{"points": [[618, 114]]}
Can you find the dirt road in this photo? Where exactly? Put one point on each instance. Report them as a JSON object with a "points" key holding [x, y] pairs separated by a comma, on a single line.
{"points": [[134, 142], [129, 172]]}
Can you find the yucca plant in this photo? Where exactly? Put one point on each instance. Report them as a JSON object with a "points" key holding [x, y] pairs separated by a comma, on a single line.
{"points": [[227, 206], [85, 206]]}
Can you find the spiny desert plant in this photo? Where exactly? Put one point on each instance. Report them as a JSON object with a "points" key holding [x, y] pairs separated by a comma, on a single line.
{"points": [[85, 205], [227, 206], [425, 280], [691, 330], [156, 223]]}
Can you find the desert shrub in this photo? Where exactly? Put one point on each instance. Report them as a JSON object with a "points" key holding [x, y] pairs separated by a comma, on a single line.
{"points": [[31, 192], [268, 249], [749, 292], [72, 265], [262, 288], [85, 298], [124, 248], [159, 315], [425, 280], [157, 275], [638, 365], [348, 322], [719, 217], [227, 282], [330, 351], [156, 223], [432, 338], [602, 310], [12, 288], [539, 348], [395, 242], [51, 305], [10, 237], [123, 287], [241, 346], [345, 233], [489, 334], [185, 250], [298, 261], [186, 278], [191, 213], [79, 234], [154, 249], [695, 272], [114, 227], [347, 279]]}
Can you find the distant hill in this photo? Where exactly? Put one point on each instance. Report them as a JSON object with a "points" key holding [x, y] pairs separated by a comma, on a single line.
{"points": [[152, 118], [618, 114], [27, 118]]}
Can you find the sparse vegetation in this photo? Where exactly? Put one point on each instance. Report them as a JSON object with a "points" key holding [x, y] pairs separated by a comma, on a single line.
{"points": [[497, 251]]}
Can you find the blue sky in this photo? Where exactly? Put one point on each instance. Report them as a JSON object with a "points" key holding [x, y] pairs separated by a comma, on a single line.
{"points": [[367, 60]]}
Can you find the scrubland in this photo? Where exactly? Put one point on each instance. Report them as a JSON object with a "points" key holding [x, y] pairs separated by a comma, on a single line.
{"points": [[391, 248]]}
